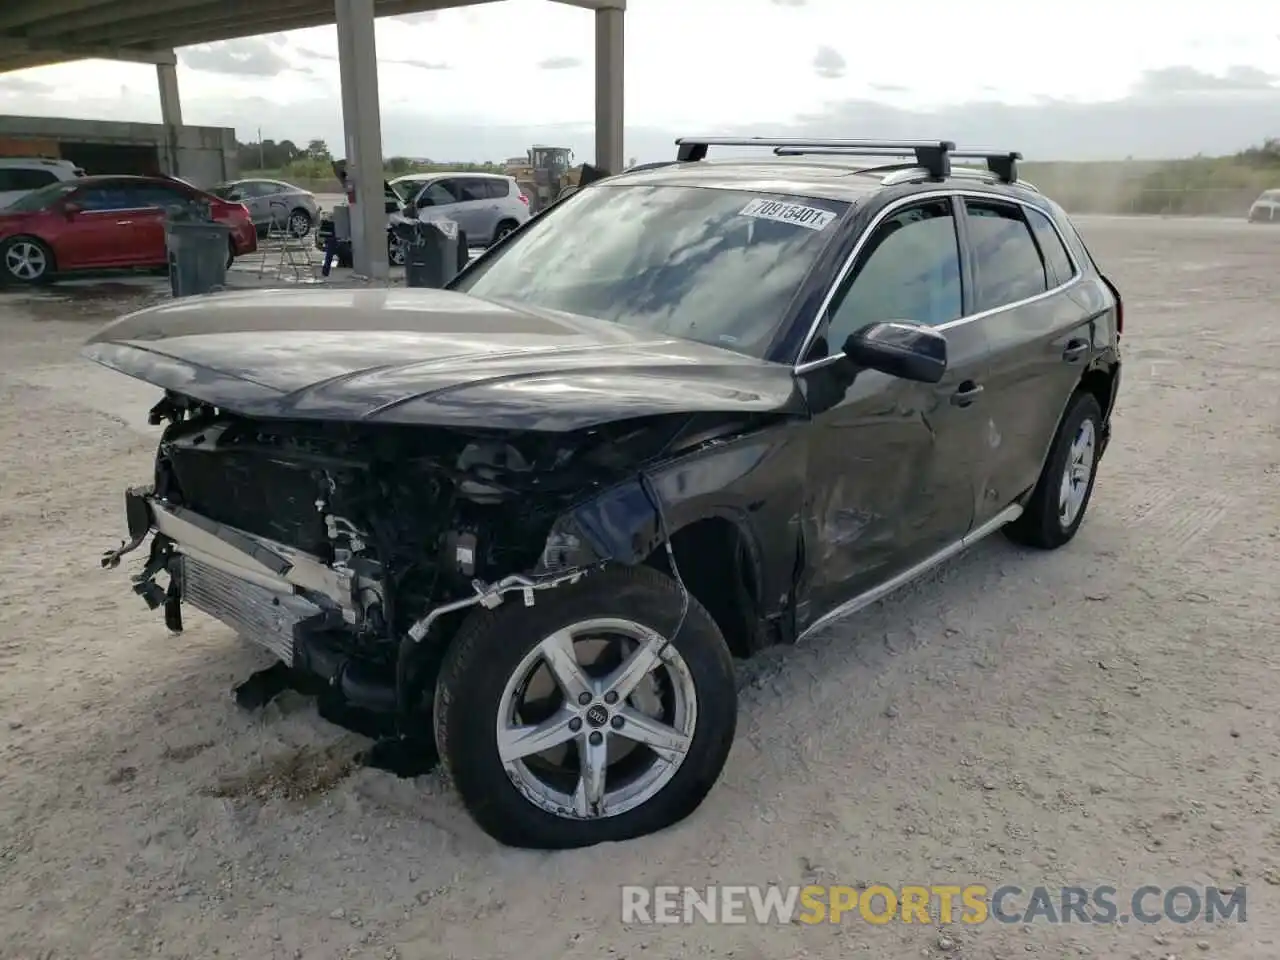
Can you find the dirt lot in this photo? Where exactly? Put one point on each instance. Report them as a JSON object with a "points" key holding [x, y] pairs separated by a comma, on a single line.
{"points": [[1103, 715]]}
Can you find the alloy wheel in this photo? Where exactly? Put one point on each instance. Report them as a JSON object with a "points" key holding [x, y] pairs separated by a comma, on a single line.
{"points": [[596, 719], [26, 261], [299, 224], [1077, 473]]}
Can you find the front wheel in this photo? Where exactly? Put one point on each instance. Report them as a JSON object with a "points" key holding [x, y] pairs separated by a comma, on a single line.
{"points": [[1057, 506], [395, 251], [604, 712], [27, 261]]}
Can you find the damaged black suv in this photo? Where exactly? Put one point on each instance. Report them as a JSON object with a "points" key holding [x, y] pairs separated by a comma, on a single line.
{"points": [[694, 409]]}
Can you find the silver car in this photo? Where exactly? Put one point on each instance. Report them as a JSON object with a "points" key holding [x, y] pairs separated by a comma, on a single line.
{"points": [[1266, 209], [273, 201], [486, 206]]}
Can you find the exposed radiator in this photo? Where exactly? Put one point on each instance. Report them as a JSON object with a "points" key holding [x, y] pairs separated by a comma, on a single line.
{"points": [[259, 615]]}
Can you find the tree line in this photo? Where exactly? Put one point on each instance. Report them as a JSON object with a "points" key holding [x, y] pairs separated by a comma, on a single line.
{"points": [[287, 160]]}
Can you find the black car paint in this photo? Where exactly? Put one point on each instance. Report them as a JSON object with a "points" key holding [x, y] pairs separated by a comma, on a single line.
{"points": [[828, 497]]}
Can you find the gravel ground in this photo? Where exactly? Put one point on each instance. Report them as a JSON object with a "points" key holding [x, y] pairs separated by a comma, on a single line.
{"points": [[1102, 715]]}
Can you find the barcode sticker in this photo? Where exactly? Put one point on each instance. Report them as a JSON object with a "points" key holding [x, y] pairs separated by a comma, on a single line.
{"points": [[812, 218]]}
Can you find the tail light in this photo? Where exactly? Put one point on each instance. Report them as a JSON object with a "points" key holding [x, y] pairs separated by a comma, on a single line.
{"points": [[1115, 292], [524, 199], [245, 210]]}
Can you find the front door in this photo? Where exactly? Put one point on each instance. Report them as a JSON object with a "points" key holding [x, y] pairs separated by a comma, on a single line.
{"points": [[893, 462], [1041, 339], [103, 231]]}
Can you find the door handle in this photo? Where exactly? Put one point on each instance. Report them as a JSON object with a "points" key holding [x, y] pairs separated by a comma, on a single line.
{"points": [[1074, 350], [966, 393], [124, 223]]}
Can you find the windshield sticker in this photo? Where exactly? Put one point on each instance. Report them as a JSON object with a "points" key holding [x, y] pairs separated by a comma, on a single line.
{"points": [[813, 218]]}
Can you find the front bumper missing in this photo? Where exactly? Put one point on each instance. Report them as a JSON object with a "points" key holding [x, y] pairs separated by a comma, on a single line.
{"points": [[261, 589], [265, 590]]}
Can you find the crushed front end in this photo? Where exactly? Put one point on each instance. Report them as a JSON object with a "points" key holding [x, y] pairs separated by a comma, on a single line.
{"points": [[348, 550]]}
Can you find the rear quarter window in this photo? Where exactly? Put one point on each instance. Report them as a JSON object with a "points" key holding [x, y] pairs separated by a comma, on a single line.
{"points": [[1056, 259], [497, 189]]}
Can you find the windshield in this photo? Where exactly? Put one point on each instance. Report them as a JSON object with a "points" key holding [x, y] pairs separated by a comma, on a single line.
{"points": [[223, 191], [42, 198], [717, 266]]}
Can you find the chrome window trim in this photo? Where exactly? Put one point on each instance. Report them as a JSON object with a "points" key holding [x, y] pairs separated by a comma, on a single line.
{"points": [[941, 194]]}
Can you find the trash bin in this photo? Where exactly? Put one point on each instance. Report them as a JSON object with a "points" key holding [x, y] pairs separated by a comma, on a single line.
{"points": [[434, 250], [198, 252]]}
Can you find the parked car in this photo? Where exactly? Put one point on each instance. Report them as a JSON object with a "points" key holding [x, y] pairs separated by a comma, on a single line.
{"points": [[393, 202], [20, 175], [105, 222], [686, 413], [486, 207], [1266, 209], [273, 202]]}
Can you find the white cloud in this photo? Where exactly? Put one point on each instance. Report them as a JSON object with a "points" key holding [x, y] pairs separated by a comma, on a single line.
{"points": [[484, 82]]}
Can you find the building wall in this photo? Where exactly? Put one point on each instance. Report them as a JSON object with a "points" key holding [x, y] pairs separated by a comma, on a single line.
{"points": [[201, 155]]}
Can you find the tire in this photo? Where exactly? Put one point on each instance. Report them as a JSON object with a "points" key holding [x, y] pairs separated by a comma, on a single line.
{"points": [[489, 657], [299, 223], [503, 230], [27, 261], [1044, 524], [395, 252]]}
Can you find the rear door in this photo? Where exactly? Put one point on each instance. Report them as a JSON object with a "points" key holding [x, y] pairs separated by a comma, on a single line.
{"points": [[154, 201], [892, 475], [1041, 340]]}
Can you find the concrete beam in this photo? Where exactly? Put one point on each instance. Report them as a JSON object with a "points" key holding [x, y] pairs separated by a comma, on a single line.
{"points": [[17, 13], [127, 12], [215, 20], [20, 54], [610, 101], [595, 4]]}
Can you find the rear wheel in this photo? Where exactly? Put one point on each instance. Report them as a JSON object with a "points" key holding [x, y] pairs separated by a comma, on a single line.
{"points": [[1057, 506], [299, 222], [503, 230], [575, 721], [26, 260]]}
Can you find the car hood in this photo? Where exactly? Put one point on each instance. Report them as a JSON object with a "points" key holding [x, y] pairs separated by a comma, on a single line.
{"points": [[428, 356]]}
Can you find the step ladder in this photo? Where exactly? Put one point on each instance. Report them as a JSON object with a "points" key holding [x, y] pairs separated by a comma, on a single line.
{"points": [[292, 254]]}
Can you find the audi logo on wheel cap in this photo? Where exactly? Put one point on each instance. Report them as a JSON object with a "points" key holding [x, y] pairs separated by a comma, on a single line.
{"points": [[597, 716]]}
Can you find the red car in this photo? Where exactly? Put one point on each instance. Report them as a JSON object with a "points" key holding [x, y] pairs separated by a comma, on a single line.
{"points": [[104, 223]]}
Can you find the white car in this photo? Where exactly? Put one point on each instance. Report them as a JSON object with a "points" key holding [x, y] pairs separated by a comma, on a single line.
{"points": [[1266, 209], [20, 175]]}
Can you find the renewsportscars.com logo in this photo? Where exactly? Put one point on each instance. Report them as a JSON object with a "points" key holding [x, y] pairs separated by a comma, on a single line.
{"points": [[935, 904]]}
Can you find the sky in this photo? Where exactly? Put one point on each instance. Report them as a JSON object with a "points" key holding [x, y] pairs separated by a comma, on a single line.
{"points": [[1092, 79]]}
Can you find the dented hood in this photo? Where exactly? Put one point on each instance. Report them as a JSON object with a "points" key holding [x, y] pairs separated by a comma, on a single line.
{"points": [[427, 356]]}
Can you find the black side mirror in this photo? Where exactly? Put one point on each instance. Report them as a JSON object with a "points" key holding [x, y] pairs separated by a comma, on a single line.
{"points": [[900, 349]]}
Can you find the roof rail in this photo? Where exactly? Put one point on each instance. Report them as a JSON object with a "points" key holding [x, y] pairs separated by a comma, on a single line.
{"points": [[933, 155]]}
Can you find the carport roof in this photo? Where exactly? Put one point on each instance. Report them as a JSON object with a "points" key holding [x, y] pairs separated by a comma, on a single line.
{"points": [[38, 32]]}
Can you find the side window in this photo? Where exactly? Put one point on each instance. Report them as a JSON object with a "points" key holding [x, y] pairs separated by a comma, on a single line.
{"points": [[108, 197], [438, 193], [471, 189], [156, 195], [909, 271], [26, 179], [496, 189], [1056, 259], [1006, 259]]}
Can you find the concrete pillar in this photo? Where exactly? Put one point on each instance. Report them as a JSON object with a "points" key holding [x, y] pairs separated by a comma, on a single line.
{"points": [[362, 125], [170, 113], [609, 100]]}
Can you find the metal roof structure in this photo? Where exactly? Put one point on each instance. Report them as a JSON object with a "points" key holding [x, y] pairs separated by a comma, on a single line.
{"points": [[39, 32]]}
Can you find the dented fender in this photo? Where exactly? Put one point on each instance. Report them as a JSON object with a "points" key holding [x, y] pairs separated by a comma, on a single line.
{"points": [[754, 481]]}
